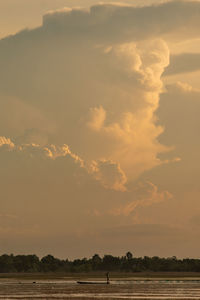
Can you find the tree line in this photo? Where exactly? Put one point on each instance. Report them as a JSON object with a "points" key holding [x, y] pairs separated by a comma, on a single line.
{"points": [[127, 263]]}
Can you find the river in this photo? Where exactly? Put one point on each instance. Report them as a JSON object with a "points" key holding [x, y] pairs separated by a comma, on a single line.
{"points": [[119, 289]]}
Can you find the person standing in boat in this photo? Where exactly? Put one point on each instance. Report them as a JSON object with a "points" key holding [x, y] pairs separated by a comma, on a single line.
{"points": [[107, 276]]}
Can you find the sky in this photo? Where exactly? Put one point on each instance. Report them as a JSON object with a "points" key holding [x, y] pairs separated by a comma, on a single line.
{"points": [[99, 127]]}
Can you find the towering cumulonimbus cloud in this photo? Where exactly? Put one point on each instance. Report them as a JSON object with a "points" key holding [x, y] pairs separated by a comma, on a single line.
{"points": [[79, 128], [100, 99], [91, 79]]}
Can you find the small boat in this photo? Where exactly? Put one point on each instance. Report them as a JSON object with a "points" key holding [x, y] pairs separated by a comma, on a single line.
{"points": [[92, 282], [96, 282]]}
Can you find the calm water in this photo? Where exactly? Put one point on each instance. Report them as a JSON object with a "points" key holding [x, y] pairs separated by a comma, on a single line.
{"points": [[130, 289]]}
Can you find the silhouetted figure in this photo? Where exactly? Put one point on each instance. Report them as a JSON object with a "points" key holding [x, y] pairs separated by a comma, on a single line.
{"points": [[107, 276]]}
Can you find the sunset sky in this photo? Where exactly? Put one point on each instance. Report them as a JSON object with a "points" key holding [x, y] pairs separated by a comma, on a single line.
{"points": [[100, 127]]}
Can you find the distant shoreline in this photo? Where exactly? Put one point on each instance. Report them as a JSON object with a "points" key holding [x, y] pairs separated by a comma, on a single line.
{"points": [[100, 275]]}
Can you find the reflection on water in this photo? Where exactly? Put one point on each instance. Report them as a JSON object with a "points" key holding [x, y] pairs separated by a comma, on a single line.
{"points": [[123, 289]]}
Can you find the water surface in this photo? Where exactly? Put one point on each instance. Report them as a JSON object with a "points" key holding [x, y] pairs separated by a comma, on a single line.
{"points": [[118, 289]]}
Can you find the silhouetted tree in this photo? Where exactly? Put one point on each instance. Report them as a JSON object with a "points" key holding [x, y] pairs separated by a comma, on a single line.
{"points": [[128, 263], [96, 262], [129, 255]]}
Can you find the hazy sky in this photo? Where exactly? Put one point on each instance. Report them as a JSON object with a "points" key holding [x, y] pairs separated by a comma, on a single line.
{"points": [[99, 127]]}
